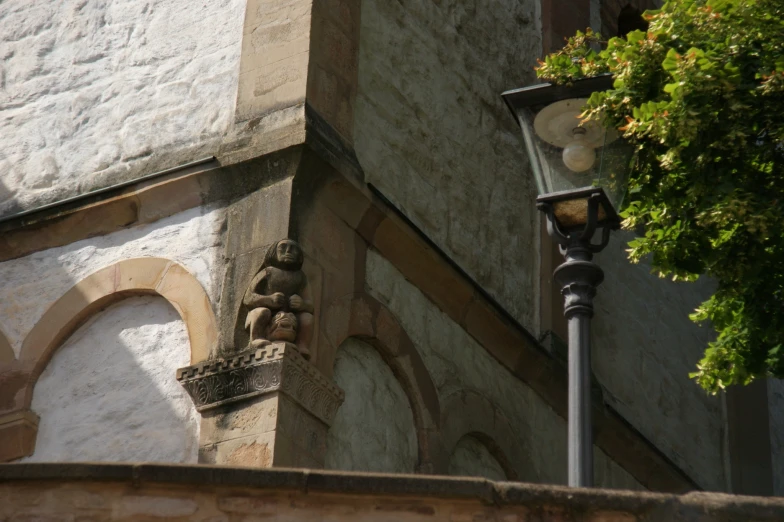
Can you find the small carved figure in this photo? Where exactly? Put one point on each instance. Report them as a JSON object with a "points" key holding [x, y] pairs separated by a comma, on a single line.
{"points": [[278, 312]]}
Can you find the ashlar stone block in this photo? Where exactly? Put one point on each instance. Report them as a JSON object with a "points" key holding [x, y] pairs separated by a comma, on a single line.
{"points": [[17, 434], [266, 407]]}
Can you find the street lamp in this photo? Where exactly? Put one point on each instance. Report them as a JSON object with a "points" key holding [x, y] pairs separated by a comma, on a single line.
{"points": [[580, 169]]}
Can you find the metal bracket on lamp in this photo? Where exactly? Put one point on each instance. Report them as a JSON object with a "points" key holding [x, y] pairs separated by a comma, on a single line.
{"points": [[577, 239]]}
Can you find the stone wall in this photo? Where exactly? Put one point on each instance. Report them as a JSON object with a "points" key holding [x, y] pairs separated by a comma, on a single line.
{"points": [[107, 390], [644, 347], [374, 427], [31, 284], [434, 138], [432, 133], [89, 88], [109, 393], [457, 365]]}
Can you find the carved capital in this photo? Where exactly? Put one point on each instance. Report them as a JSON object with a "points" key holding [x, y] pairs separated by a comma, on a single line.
{"points": [[277, 367]]}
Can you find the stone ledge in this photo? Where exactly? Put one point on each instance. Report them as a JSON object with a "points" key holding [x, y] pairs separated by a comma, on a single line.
{"points": [[255, 372], [535, 498]]}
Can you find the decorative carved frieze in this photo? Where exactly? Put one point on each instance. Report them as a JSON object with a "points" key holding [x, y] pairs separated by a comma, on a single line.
{"points": [[275, 367]]}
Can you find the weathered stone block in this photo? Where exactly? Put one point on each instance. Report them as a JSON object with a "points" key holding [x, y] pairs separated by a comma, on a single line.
{"points": [[254, 451], [240, 419], [271, 87], [276, 367], [262, 408], [18, 431]]}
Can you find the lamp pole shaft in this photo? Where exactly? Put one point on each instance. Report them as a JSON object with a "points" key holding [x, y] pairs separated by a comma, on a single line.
{"points": [[579, 431], [579, 276]]}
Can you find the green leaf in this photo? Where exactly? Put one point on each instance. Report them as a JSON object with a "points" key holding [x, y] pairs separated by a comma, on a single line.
{"points": [[701, 99]]}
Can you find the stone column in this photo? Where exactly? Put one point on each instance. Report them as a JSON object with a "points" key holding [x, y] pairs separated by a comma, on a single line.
{"points": [[266, 407]]}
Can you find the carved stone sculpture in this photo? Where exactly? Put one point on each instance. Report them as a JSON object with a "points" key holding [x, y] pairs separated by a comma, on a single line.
{"points": [[278, 310]]}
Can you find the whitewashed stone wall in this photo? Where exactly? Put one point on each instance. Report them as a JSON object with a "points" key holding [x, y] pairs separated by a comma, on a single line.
{"points": [[31, 284], [88, 87], [432, 133], [471, 458], [374, 427], [456, 362], [644, 347], [110, 393]]}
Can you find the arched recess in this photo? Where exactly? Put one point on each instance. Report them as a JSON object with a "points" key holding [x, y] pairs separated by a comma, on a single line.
{"points": [[467, 413], [139, 276], [362, 316]]}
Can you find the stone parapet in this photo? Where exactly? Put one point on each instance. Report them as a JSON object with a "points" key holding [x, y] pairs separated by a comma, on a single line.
{"points": [[201, 493]]}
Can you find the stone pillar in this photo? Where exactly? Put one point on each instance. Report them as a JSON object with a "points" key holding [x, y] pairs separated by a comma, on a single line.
{"points": [[266, 407]]}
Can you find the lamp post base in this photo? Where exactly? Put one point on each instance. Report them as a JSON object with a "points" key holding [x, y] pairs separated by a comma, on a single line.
{"points": [[578, 277]]}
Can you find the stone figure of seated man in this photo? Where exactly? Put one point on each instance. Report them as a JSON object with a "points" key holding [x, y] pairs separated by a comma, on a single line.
{"points": [[278, 311]]}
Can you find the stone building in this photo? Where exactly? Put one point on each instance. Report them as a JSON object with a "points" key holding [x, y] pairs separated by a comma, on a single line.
{"points": [[155, 154]]}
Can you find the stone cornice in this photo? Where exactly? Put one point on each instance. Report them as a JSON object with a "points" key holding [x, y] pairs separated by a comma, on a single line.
{"points": [[274, 368], [541, 502]]}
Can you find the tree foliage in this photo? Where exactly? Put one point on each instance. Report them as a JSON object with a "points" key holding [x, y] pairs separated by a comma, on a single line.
{"points": [[701, 97]]}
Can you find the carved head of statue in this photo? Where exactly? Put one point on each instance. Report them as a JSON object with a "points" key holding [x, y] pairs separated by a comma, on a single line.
{"points": [[285, 254], [283, 327]]}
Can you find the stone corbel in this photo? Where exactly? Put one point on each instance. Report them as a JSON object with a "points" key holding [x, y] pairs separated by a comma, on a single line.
{"points": [[263, 407], [277, 367], [18, 431]]}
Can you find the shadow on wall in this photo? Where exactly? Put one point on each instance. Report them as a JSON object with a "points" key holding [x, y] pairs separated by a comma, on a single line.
{"points": [[6, 199], [8, 203], [433, 135], [374, 428], [37, 306], [472, 458], [109, 392]]}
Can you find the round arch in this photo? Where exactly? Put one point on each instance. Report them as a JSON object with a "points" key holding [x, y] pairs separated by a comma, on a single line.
{"points": [[467, 413], [363, 317], [130, 277]]}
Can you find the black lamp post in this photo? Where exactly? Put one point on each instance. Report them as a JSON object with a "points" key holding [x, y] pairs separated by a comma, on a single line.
{"points": [[580, 169]]}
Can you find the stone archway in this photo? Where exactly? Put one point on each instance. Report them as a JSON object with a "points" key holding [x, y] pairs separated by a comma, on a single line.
{"points": [[363, 317], [467, 413], [126, 278], [130, 277]]}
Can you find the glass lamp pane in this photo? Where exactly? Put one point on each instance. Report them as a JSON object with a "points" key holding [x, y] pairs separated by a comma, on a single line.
{"points": [[567, 153]]}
